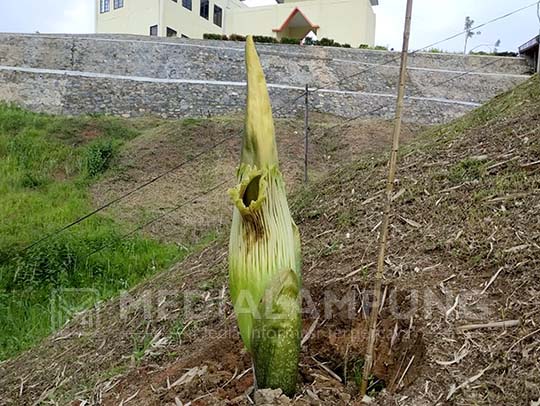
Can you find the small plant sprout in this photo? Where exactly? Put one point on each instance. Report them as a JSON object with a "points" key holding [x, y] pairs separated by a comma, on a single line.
{"points": [[264, 248]]}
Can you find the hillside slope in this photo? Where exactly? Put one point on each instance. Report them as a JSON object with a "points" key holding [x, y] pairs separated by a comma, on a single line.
{"points": [[56, 169], [210, 148], [464, 249], [47, 166]]}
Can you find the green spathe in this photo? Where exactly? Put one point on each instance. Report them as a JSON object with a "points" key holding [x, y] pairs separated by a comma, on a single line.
{"points": [[264, 249]]}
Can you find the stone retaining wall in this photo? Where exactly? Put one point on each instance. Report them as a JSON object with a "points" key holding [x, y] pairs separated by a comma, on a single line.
{"points": [[175, 78], [65, 94]]}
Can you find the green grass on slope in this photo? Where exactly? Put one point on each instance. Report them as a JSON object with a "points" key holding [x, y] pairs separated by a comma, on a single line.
{"points": [[524, 97], [47, 164]]}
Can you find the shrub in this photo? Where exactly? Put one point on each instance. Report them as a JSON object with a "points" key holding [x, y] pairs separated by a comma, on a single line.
{"points": [[376, 47], [484, 53], [32, 180], [346, 45], [215, 36], [327, 42], [293, 41], [97, 157], [265, 39], [44, 265], [310, 41], [236, 37], [511, 54]]}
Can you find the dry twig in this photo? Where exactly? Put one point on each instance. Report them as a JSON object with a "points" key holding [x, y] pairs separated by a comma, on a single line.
{"points": [[496, 324], [310, 331], [328, 370], [491, 281], [454, 388], [449, 311], [405, 372], [189, 376], [521, 339], [462, 353]]}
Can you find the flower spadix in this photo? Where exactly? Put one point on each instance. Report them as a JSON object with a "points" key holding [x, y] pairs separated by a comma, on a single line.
{"points": [[264, 248]]}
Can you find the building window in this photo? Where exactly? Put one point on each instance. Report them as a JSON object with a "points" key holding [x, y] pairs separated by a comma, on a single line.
{"points": [[171, 32], [153, 30], [118, 4], [104, 6], [218, 16], [205, 8], [187, 4]]}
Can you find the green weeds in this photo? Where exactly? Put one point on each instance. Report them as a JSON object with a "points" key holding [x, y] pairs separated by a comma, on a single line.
{"points": [[47, 164]]}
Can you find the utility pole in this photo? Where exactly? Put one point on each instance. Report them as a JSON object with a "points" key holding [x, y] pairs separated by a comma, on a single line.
{"points": [[383, 232], [306, 133]]}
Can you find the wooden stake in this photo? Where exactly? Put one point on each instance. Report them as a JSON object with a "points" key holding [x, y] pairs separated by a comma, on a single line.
{"points": [[368, 362]]}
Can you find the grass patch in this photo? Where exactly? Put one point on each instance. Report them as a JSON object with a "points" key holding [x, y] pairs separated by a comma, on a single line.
{"points": [[47, 164], [467, 170], [192, 122]]}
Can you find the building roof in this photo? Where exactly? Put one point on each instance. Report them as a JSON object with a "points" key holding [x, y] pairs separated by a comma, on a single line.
{"points": [[296, 19], [529, 46]]}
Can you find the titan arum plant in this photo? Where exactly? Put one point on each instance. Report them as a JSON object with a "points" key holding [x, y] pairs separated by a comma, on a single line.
{"points": [[264, 248]]}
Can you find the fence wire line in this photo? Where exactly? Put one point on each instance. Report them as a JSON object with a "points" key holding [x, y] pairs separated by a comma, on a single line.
{"points": [[204, 152], [125, 195], [157, 218], [316, 138], [147, 183], [217, 186], [294, 100], [287, 104]]}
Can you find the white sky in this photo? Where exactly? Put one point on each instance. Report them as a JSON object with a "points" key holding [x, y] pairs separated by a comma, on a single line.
{"points": [[432, 20]]}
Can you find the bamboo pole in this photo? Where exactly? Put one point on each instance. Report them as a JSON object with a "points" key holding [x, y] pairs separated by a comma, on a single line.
{"points": [[368, 362]]}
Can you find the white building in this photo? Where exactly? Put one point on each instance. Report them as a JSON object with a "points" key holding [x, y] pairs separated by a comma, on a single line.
{"points": [[345, 21]]}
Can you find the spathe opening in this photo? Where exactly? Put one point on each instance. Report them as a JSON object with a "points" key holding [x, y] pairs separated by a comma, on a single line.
{"points": [[251, 192]]}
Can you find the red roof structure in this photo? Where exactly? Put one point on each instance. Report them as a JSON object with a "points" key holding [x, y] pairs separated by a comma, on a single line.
{"points": [[295, 20]]}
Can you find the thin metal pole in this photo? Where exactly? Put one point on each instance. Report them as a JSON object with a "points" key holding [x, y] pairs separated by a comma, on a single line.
{"points": [[368, 362], [306, 134]]}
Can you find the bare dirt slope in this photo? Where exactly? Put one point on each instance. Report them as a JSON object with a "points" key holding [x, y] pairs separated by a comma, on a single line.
{"points": [[464, 250]]}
